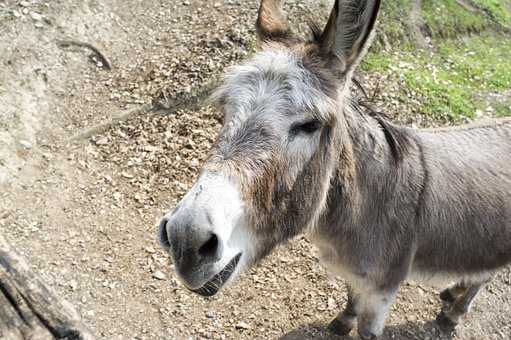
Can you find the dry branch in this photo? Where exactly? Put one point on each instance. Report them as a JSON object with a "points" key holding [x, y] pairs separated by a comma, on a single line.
{"points": [[100, 128], [28, 308], [101, 57], [162, 104]]}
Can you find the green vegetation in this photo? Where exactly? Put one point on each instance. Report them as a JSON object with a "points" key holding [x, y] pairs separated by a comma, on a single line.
{"points": [[450, 83], [446, 19], [499, 10], [469, 62], [393, 14], [503, 109]]}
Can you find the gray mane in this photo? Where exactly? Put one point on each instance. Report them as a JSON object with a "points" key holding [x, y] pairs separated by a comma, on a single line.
{"points": [[397, 137]]}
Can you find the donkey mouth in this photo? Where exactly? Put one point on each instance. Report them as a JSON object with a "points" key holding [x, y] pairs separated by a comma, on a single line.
{"points": [[211, 287]]}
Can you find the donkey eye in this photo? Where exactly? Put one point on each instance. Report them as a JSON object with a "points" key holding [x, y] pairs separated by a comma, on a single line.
{"points": [[306, 127]]}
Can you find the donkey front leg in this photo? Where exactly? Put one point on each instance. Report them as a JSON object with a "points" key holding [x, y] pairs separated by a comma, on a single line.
{"points": [[374, 306], [368, 307], [449, 295], [345, 321]]}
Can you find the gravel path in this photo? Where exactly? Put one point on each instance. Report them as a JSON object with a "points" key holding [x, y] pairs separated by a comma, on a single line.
{"points": [[85, 213]]}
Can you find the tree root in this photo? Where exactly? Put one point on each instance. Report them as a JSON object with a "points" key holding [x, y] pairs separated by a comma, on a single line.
{"points": [[100, 128], [162, 104]]}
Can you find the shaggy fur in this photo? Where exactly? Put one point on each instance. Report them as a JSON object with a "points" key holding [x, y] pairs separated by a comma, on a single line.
{"points": [[383, 203]]}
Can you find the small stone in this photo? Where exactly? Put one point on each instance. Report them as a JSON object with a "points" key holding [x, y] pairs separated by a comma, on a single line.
{"points": [[159, 275], [36, 16], [331, 304], [73, 284], [194, 162], [26, 144], [24, 3], [126, 175], [242, 325], [102, 141]]}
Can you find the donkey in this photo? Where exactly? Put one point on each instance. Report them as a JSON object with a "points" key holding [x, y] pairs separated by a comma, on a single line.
{"points": [[298, 153]]}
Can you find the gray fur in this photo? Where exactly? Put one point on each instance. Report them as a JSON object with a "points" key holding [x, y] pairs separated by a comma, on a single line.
{"points": [[444, 212], [382, 203]]}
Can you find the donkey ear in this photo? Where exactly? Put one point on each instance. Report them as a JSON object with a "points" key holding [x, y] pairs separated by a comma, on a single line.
{"points": [[346, 35], [271, 22]]}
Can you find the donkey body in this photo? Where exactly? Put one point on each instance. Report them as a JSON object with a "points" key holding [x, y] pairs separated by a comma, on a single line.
{"points": [[442, 214], [298, 154]]}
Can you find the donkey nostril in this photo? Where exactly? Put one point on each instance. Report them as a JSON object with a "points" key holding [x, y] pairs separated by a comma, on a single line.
{"points": [[210, 248]]}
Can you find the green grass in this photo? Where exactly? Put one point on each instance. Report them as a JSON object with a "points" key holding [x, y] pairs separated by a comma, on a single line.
{"points": [[447, 19], [443, 18], [503, 109], [393, 20], [449, 83], [499, 10]]}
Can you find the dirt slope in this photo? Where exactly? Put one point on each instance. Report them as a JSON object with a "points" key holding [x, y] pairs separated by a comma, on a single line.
{"points": [[84, 213]]}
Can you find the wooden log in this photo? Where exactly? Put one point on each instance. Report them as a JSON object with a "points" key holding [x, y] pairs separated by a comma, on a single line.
{"points": [[29, 309]]}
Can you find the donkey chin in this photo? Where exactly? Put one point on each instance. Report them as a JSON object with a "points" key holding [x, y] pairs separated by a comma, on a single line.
{"points": [[205, 235]]}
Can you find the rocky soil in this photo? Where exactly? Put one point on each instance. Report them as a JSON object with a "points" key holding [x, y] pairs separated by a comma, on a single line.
{"points": [[84, 211]]}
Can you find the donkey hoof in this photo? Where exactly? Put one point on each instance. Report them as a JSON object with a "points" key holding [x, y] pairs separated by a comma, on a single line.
{"points": [[446, 296], [366, 335], [338, 327], [445, 324]]}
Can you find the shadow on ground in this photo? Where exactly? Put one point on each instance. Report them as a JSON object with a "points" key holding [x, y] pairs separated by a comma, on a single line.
{"points": [[407, 330]]}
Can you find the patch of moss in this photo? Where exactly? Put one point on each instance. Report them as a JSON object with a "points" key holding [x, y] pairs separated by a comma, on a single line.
{"points": [[447, 19], [448, 82], [499, 10], [443, 18]]}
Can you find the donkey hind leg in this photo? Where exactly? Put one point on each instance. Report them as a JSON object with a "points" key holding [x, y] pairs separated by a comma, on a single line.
{"points": [[449, 295], [451, 314], [373, 312], [345, 320]]}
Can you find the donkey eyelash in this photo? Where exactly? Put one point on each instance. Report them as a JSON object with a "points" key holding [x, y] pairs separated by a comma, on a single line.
{"points": [[307, 127]]}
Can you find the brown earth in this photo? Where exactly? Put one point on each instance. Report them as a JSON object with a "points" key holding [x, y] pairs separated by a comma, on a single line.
{"points": [[84, 212]]}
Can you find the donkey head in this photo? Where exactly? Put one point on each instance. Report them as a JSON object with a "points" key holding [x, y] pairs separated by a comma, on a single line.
{"points": [[268, 175]]}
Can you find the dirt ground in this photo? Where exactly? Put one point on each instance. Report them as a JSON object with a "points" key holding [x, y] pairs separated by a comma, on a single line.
{"points": [[84, 211]]}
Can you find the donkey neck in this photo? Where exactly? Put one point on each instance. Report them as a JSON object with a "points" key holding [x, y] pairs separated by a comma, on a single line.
{"points": [[371, 141], [371, 170]]}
